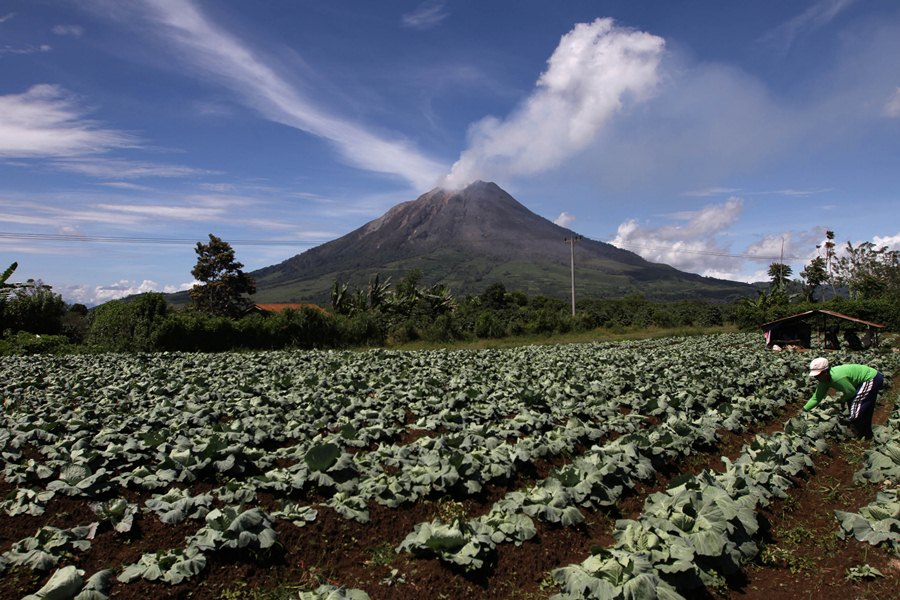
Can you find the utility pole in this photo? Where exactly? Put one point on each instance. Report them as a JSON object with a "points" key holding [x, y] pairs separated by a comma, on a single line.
{"points": [[571, 242]]}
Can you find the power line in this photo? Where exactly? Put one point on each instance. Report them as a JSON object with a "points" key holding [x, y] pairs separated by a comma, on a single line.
{"points": [[64, 237]]}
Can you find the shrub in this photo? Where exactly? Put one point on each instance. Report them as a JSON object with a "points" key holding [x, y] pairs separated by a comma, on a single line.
{"points": [[127, 325], [24, 343]]}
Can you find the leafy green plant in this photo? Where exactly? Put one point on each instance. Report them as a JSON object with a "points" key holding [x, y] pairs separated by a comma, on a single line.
{"points": [[231, 527], [169, 566], [44, 549], [462, 543], [78, 480], [877, 523], [177, 505], [117, 511], [25, 501], [331, 592], [862, 572], [68, 582]]}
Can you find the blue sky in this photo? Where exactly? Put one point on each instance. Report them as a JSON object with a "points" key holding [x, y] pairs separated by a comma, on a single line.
{"points": [[709, 135]]}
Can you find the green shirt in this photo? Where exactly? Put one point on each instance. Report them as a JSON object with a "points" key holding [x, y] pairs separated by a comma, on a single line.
{"points": [[845, 380]]}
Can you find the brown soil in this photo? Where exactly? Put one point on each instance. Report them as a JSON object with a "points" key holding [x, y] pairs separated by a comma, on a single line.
{"points": [[802, 556]]}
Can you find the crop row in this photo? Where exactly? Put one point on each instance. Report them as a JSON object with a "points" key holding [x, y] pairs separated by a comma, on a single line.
{"points": [[199, 437]]}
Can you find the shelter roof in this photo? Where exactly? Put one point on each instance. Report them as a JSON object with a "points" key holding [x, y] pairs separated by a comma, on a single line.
{"points": [[810, 313]]}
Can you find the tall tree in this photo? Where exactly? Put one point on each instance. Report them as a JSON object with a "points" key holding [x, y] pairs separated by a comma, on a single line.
{"points": [[33, 307], [223, 283], [869, 271], [814, 275], [779, 275]]}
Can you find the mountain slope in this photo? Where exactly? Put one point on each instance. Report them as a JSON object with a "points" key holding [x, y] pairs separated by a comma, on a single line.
{"points": [[471, 238]]}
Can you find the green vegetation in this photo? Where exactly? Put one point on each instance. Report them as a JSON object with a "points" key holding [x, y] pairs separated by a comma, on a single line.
{"points": [[223, 284], [417, 316]]}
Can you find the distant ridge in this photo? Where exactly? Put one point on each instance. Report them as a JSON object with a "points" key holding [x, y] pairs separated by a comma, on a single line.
{"points": [[471, 238]]}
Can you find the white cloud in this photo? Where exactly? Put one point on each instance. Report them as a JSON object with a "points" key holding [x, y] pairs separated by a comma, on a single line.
{"points": [[72, 30], [7, 17], [595, 70], [91, 296], [426, 15], [692, 246], [214, 51], [564, 219], [892, 108], [891, 241], [771, 248], [45, 122]]}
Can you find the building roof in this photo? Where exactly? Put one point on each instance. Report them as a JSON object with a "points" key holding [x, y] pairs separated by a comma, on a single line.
{"points": [[809, 313]]}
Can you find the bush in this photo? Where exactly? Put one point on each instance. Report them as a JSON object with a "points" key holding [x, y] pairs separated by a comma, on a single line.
{"points": [[127, 325], [489, 325], [302, 328], [23, 343], [191, 331], [35, 309]]}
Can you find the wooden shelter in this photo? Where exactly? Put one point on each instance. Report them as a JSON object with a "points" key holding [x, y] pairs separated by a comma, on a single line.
{"points": [[796, 330]]}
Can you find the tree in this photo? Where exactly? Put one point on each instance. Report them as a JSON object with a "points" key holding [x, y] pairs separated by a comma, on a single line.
{"points": [[829, 259], [814, 275], [779, 276], [224, 284], [869, 271], [33, 307]]}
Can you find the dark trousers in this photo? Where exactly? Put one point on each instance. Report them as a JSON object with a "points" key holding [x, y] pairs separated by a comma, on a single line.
{"points": [[862, 406]]}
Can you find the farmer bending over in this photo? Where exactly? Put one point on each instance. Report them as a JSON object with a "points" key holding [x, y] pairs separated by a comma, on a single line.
{"points": [[857, 385]]}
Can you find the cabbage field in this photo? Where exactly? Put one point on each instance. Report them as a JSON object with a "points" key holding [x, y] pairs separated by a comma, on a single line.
{"points": [[646, 469]]}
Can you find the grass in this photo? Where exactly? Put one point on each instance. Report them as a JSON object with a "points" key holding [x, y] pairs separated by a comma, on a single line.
{"points": [[579, 337]]}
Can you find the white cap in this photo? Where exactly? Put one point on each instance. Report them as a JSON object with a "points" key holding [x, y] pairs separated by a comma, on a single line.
{"points": [[817, 366]]}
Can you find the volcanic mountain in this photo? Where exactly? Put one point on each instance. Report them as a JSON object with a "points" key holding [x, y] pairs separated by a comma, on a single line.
{"points": [[471, 238]]}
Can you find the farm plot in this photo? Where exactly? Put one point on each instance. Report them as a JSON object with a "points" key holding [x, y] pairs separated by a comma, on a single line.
{"points": [[203, 476]]}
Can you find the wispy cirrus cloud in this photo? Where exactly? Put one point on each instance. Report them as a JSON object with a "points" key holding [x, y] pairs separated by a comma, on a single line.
{"points": [[426, 15], [68, 30], [119, 168], [711, 191], [818, 15], [235, 64], [46, 122]]}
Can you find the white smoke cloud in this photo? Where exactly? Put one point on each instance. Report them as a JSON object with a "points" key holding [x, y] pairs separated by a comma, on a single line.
{"points": [[596, 69]]}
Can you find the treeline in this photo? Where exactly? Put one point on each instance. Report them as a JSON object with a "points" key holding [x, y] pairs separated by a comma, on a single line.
{"points": [[147, 323]]}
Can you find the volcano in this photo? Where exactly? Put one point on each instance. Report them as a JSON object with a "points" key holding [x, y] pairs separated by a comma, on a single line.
{"points": [[471, 238]]}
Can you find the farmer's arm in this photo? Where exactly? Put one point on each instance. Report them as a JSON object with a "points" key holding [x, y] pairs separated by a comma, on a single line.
{"points": [[818, 395]]}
